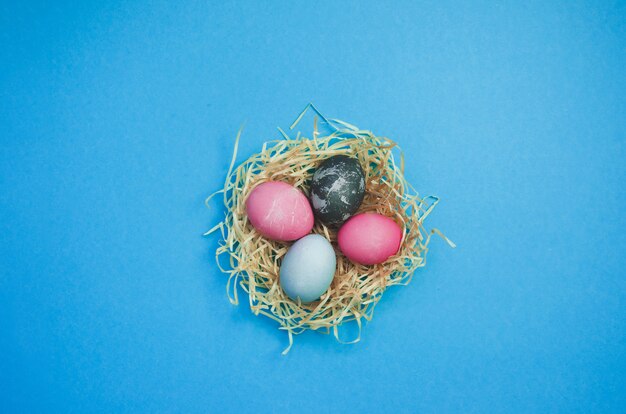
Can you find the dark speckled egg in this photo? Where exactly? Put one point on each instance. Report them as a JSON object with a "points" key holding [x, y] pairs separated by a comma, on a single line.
{"points": [[337, 189]]}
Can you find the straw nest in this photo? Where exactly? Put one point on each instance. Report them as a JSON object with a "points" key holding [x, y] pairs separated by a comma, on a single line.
{"points": [[254, 261]]}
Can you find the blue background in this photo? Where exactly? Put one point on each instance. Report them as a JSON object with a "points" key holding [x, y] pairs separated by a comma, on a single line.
{"points": [[117, 119]]}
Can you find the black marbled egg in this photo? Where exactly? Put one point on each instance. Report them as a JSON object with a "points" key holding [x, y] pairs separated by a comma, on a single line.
{"points": [[337, 189]]}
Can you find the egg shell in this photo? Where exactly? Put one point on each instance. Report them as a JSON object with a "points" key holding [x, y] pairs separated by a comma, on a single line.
{"points": [[337, 189], [369, 238], [279, 211], [307, 268]]}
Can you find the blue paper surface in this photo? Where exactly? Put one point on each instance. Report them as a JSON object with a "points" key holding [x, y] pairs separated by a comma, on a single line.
{"points": [[117, 120]]}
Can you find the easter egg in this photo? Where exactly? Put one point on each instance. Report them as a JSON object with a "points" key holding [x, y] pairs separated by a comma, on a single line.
{"points": [[369, 238], [279, 211], [337, 189], [308, 268]]}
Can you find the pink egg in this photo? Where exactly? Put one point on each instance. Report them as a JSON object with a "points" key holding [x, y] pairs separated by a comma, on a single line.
{"points": [[279, 211], [369, 238]]}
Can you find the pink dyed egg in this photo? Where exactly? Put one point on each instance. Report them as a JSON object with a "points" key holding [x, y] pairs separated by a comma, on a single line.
{"points": [[369, 238], [279, 211]]}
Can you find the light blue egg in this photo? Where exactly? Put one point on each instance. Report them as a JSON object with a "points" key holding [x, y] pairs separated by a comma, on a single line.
{"points": [[308, 268]]}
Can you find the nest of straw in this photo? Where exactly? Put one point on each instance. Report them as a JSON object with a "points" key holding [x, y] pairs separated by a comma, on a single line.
{"points": [[254, 261]]}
